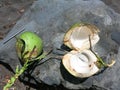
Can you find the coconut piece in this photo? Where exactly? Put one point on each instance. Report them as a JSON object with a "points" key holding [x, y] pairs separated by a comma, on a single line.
{"points": [[80, 64], [77, 37]]}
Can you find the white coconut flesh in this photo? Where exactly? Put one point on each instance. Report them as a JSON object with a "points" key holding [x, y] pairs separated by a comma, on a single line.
{"points": [[80, 38], [81, 64]]}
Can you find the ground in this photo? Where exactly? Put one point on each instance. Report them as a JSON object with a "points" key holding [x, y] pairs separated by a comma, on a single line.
{"points": [[10, 13]]}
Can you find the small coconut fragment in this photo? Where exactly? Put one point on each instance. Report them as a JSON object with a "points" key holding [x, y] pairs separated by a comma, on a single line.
{"points": [[77, 37], [80, 64]]}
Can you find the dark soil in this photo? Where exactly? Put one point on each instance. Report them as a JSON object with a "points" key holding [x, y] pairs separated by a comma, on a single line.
{"points": [[10, 13]]}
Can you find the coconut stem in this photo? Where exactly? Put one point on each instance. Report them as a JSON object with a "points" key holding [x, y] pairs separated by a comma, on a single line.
{"points": [[100, 62]]}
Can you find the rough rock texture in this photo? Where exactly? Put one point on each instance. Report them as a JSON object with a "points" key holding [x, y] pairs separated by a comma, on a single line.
{"points": [[50, 20]]}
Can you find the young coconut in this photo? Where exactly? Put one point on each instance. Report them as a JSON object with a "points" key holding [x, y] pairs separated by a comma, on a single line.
{"points": [[77, 37], [28, 45], [80, 64]]}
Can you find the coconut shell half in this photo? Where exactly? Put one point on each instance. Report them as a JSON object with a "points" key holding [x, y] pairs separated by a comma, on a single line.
{"points": [[80, 64], [77, 37]]}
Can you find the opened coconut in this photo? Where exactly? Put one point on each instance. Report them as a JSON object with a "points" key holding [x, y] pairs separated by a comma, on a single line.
{"points": [[82, 61]]}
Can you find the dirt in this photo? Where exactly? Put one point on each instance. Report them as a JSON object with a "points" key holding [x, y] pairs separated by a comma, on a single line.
{"points": [[10, 13]]}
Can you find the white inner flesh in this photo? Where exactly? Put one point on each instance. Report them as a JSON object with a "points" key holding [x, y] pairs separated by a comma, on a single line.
{"points": [[80, 63], [80, 36]]}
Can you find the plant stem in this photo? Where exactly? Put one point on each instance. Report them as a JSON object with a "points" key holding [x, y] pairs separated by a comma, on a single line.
{"points": [[17, 74], [18, 71], [100, 62]]}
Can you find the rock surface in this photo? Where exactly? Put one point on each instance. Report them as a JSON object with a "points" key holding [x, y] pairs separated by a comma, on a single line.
{"points": [[50, 20]]}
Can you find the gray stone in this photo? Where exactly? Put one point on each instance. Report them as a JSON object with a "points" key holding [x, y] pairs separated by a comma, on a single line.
{"points": [[50, 19], [116, 37]]}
